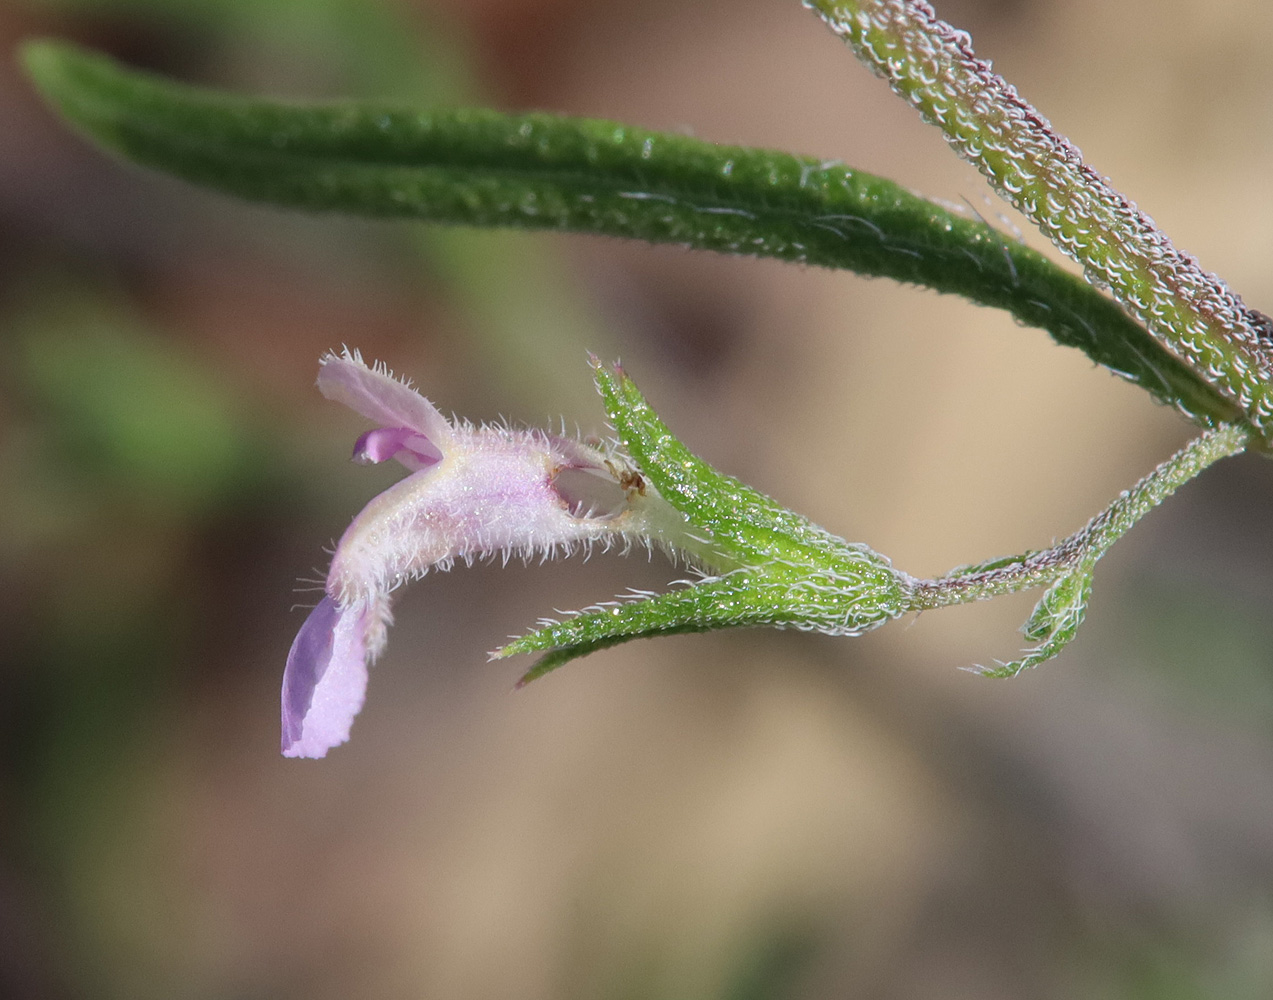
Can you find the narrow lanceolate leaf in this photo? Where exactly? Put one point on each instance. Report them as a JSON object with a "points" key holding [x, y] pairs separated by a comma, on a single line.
{"points": [[481, 168], [1188, 310], [1068, 566], [774, 567]]}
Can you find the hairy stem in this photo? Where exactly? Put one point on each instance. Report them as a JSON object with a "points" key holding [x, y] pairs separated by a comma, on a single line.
{"points": [[1089, 543], [1188, 310]]}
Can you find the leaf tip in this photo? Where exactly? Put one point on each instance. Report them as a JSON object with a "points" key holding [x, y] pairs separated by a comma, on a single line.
{"points": [[41, 59], [1000, 670]]}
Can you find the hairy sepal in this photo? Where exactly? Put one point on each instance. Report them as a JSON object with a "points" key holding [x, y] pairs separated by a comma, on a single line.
{"points": [[766, 565]]}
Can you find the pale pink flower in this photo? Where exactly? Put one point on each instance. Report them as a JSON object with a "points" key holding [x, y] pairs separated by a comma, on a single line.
{"points": [[472, 492]]}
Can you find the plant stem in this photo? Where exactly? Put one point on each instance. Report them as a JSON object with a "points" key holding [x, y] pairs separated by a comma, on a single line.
{"points": [[1088, 544], [1188, 310]]}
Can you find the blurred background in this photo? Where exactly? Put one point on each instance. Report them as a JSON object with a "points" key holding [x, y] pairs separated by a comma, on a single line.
{"points": [[738, 815]]}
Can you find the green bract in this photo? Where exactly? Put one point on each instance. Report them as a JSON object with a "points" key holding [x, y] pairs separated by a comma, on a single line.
{"points": [[1067, 566]]}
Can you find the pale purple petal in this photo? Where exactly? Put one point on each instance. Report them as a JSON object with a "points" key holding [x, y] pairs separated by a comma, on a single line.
{"points": [[325, 681], [414, 450], [380, 397], [492, 493], [473, 492]]}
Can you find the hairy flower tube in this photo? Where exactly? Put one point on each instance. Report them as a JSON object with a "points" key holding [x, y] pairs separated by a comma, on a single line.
{"points": [[473, 492]]}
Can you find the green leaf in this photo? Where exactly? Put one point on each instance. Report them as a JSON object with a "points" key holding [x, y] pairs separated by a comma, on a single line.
{"points": [[740, 526], [481, 168], [744, 527]]}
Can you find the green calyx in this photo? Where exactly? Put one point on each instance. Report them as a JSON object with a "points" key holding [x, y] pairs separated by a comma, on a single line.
{"points": [[763, 564]]}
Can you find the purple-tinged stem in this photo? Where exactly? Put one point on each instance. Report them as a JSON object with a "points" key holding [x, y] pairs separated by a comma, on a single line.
{"points": [[1190, 311]]}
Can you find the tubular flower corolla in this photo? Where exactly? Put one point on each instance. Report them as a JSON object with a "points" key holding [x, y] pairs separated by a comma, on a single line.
{"points": [[473, 492]]}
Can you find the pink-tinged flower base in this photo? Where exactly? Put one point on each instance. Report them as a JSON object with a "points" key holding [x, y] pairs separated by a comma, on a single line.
{"points": [[472, 492]]}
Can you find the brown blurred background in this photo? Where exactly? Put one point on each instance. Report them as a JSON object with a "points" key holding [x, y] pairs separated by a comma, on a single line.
{"points": [[746, 815]]}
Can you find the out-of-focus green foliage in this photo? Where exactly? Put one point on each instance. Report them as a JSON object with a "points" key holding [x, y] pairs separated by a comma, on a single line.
{"points": [[132, 408]]}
